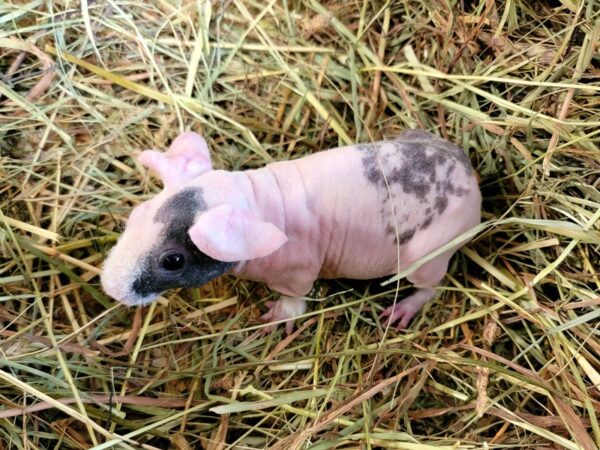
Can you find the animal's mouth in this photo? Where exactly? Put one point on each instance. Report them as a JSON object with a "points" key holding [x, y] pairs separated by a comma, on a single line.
{"points": [[143, 301], [124, 295], [130, 299]]}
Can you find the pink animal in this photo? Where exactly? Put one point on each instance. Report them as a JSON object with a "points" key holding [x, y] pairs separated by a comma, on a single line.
{"points": [[360, 212]]}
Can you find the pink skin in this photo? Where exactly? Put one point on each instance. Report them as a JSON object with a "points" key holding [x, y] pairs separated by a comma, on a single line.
{"points": [[321, 216], [402, 312], [285, 308]]}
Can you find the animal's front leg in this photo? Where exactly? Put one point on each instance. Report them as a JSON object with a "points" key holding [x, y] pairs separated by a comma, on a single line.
{"points": [[282, 309]]}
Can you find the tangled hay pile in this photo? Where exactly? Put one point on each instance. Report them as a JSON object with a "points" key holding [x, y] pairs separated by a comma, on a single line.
{"points": [[508, 356]]}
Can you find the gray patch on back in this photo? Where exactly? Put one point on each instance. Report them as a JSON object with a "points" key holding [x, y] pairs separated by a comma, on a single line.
{"points": [[435, 141], [418, 169], [416, 163]]}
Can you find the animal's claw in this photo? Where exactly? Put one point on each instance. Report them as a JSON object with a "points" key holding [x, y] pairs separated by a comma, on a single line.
{"points": [[404, 310], [286, 308]]}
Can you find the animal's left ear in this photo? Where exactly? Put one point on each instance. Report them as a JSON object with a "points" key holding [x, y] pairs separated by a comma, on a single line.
{"points": [[230, 234], [186, 158]]}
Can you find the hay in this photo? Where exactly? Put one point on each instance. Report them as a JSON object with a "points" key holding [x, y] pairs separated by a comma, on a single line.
{"points": [[507, 357]]}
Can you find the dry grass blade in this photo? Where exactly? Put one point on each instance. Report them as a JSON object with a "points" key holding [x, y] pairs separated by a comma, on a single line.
{"points": [[508, 356]]}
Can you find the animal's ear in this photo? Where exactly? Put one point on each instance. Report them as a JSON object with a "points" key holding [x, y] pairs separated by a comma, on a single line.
{"points": [[230, 234], [186, 158]]}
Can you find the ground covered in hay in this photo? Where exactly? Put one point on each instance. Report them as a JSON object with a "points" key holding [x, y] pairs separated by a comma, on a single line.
{"points": [[508, 356]]}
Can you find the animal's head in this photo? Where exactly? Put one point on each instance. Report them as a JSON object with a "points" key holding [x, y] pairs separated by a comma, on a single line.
{"points": [[176, 239]]}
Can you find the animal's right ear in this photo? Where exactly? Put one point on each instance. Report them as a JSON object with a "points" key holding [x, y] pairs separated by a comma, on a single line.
{"points": [[230, 234], [186, 158]]}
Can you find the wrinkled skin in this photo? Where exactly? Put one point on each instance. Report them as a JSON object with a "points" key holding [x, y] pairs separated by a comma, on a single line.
{"points": [[361, 212]]}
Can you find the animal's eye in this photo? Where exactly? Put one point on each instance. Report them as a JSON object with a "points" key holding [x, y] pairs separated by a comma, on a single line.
{"points": [[173, 261]]}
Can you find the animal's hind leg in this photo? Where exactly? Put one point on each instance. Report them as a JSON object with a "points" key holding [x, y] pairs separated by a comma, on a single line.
{"points": [[425, 278]]}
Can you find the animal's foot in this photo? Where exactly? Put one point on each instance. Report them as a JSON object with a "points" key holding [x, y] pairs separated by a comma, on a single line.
{"points": [[403, 311], [285, 308]]}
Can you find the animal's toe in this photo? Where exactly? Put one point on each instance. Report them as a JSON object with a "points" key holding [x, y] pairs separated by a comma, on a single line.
{"points": [[405, 320], [399, 314], [289, 327], [267, 317], [386, 312]]}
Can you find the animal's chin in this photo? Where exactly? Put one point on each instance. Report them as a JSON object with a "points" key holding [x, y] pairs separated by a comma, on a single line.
{"points": [[139, 301], [128, 297]]}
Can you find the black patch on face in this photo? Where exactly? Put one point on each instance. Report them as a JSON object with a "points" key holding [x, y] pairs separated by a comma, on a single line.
{"points": [[178, 214], [185, 204]]}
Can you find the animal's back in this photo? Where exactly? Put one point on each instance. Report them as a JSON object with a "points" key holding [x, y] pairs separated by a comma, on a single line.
{"points": [[362, 211], [384, 205]]}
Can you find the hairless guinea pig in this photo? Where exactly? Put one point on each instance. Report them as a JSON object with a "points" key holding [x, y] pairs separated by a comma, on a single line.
{"points": [[362, 211]]}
